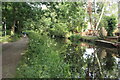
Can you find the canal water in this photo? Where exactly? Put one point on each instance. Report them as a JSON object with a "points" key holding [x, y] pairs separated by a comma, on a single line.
{"points": [[90, 61]]}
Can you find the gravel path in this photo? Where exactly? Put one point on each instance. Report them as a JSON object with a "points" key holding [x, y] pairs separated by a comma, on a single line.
{"points": [[11, 54]]}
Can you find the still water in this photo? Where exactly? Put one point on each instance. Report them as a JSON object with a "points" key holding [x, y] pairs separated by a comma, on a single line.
{"points": [[90, 61]]}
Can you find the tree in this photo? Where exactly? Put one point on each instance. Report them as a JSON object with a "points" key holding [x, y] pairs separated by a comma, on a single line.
{"points": [[14, 14], [111, 24]]}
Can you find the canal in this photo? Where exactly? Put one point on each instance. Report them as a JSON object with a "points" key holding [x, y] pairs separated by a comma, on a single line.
{"points": [[90, 61]]}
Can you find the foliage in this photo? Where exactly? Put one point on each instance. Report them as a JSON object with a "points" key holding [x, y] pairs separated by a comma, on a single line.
{"points": [[14, 14], [15, 37], [46, 58], [5, 38], [9, 38], [111, 25], [109, 22], [42, 60], [74, 57], [58, 18], [75, 37], [60, 29]]}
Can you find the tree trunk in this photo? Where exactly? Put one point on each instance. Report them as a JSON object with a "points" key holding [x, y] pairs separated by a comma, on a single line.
{"points": [[18, 25], [100, 16], [5, 28], [5, 19], [119, 20], [90, 13], [13, 26]]}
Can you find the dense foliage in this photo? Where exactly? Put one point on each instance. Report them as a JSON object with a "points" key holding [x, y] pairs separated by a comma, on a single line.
{"points": [[55, 18], [109, 22], [111, 25], [42, 60], [14, 14]]}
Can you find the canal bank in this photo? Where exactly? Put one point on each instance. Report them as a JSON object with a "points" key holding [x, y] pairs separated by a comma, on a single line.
{"points": [[107, 42]]}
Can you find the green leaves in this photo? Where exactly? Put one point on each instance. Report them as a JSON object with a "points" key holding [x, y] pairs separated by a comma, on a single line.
{"points": [[109, 22]]}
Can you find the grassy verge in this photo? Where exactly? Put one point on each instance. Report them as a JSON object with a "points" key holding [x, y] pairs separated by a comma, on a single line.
{"points": [[42, 60], [9, 38], [77, 37]]}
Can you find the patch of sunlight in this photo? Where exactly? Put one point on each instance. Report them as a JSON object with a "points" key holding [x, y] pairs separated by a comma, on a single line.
{"points": [[5, 42], [22, 53]]}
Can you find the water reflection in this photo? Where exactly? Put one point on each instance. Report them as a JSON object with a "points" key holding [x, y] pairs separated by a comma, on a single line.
{"points": [[90, 61]]}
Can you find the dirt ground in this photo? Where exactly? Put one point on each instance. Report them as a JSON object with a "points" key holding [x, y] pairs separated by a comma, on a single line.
{"points": [[11, 54]]}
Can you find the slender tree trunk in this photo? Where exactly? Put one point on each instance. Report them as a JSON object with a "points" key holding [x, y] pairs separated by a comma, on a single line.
{"points": [[119, 20], [90, 13], [95, 21], [95, 7], [19, 28], [5, 29], [100, 17], [5, 19], [90, 21], [13, 26]]}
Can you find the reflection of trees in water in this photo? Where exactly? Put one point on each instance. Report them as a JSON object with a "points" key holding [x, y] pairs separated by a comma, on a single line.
{"points": [[91, 67], [110, 65], [110, 62], [74, 57], [99, 64], [107, 63], [118, 48]]}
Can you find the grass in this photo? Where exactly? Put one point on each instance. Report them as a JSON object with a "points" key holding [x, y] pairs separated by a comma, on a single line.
{"points": [[5, 38], [9, 38]]}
